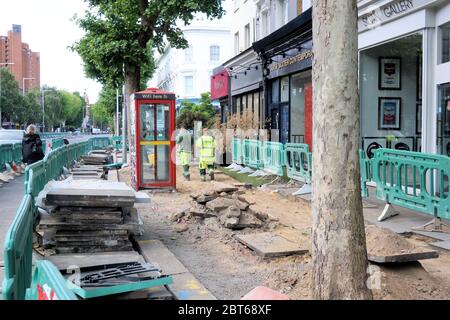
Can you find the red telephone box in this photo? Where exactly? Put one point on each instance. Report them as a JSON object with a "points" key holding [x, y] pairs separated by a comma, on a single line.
{"points": [[153, 117]]}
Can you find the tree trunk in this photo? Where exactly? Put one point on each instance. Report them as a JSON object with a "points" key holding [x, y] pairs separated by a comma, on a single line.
{"points": [[338, 239], [132, 85]]}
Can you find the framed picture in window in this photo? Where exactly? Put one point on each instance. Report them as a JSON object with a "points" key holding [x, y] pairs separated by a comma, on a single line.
{"points": [[419, 118], [390, 77], [389, 113]]}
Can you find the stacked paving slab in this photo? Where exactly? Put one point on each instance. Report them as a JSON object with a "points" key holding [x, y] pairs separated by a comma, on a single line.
{"points": [[87, 216]]}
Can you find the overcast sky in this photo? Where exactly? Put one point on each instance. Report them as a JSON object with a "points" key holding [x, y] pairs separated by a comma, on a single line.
{"points": [[48, 29]]}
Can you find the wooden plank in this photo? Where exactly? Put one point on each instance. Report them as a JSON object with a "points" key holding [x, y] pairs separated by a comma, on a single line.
{"points": [[83, 260], [269, 245], [93, 249], [155, 252]]}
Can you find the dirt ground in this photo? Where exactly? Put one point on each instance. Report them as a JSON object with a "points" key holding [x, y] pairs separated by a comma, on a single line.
{"points": [[230, 270]]}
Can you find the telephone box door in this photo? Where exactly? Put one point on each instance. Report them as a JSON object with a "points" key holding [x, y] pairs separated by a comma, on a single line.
{"points": [[155, 128]]}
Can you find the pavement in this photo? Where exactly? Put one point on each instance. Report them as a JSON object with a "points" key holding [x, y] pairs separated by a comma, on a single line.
{"points": [[11, 195]]}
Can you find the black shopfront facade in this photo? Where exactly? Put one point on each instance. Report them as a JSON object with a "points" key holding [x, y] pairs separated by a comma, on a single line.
{"points": [[286, 60]]}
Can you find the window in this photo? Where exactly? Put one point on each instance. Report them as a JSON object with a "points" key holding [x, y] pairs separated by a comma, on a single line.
{"points": [[284, 89], [214, 53], [264, 24], [445, 31], [247, 36], [189, 54], [236, 43], [281, 13], [188, 85]]}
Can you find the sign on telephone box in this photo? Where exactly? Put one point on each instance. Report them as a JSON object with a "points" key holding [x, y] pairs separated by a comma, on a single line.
{"points": [[153, 121]]}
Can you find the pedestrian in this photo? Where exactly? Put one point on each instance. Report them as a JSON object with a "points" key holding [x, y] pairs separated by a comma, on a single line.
{"points": [[184, 144], [207, 147], [32, 146]]}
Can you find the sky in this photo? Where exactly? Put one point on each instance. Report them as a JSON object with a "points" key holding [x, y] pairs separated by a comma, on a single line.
{"points": [[48, 29]]}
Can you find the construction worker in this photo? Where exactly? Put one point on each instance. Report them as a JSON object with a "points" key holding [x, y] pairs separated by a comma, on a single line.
{"points": [[184, 144], [207, 148]]}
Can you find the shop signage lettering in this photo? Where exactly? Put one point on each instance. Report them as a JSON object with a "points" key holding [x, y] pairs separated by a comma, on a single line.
{"points": [[292, 60], [379, 14]]}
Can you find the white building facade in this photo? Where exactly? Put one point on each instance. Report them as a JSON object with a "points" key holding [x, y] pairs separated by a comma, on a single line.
{"points": [[405, 74], [187, 72]]}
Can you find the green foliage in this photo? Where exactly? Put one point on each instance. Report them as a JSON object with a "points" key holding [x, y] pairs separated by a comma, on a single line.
{"points": [[203, 111], [103, 110], [9, 95], [121, 34], [62, 108]]}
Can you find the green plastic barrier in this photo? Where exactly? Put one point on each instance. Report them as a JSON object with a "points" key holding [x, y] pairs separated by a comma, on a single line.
{"points": [[236, 151], [5, 152], [255, 148], [246, 151], [17, 153], [413, 180], [18, 243], [35, 178], [116, 142], [298, 161], [366, 172], [6, 155], [18, 252], [48, 284], [57, 143], [99, 143], [273, 158]]}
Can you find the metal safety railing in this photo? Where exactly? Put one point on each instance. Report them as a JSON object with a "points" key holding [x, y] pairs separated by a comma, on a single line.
{"points": [[99, 143], [6, 155]]}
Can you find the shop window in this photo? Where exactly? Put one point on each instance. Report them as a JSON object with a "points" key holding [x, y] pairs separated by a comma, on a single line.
{"points": [[275, 92], [445, 31], [214, 53], [390, 83], [299, 96], [284, 89], [256, 108]]}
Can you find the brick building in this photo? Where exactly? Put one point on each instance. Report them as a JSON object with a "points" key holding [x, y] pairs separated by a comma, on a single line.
{"points": [[26, 62]]}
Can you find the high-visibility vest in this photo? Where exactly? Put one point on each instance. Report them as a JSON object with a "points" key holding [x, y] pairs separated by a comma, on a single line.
{"points": [[184, 142], [207, 147]]}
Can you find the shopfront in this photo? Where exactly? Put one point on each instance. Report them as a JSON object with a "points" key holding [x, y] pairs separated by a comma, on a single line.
{"points": [[405, 75], [246, 89], [219, 90], [287, 57]]}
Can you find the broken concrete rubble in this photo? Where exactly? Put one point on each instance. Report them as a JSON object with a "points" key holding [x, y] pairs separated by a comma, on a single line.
{"points": [[226, 204]]}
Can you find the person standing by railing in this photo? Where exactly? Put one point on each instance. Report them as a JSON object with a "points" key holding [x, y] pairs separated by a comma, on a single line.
{"points": [[32, 146]]}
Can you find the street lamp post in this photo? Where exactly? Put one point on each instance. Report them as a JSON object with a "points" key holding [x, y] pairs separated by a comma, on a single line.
{"points": [[2, 64], [23, 84], [43, 91]]}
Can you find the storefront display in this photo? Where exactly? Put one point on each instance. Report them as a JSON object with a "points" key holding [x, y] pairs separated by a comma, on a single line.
{"points": [[390, 74]]}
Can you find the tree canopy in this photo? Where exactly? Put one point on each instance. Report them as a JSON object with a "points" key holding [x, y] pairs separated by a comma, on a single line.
{"points": [[203, 111]]}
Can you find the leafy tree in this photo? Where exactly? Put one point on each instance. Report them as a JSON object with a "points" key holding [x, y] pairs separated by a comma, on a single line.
{"points": [[31, 108], [203, 111], [72, 112], [120, 36], [9, 96], [54, 108]]}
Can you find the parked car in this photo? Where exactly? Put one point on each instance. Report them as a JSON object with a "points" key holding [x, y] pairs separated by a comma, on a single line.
{"points": [[11, 136]]}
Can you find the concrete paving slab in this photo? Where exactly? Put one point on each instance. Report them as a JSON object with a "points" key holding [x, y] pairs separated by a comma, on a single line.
{"points": [[441, 245], [156, 252], [269, 245], [185, 286]]}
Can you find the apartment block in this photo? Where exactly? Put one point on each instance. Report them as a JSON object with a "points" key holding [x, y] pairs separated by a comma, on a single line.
{"points": [[25, 64]]}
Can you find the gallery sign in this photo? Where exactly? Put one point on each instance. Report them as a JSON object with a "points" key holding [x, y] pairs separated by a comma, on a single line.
{"points": [[375, 15]]}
